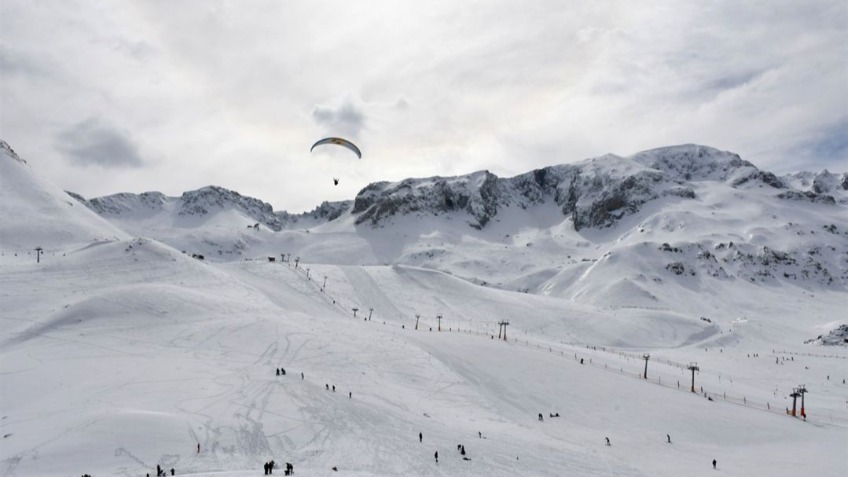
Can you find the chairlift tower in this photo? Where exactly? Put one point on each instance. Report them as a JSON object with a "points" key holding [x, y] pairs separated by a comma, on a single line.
{"points": [[795, 394], [439, 317], [503, 324], [417, 317], [802, 389], [38, 251], [692, 367]]}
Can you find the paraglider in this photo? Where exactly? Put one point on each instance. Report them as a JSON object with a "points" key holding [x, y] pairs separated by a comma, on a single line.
{"points": [[339, 142]]}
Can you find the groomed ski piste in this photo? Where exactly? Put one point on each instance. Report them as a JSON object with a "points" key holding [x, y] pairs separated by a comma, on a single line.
{"points": [[118, 354]]}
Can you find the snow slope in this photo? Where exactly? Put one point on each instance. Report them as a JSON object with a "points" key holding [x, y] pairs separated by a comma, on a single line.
{"points": [[35, 212]]}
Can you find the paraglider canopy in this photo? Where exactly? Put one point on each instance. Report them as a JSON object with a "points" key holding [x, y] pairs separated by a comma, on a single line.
{"points": [[339, 142]]}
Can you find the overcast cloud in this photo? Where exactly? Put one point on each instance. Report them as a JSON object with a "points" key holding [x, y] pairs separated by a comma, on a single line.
{"points": [[93, 143], [187, 94]]}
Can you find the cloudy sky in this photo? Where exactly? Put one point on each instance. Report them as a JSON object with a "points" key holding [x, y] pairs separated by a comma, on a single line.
{"points": [[132, 96]]}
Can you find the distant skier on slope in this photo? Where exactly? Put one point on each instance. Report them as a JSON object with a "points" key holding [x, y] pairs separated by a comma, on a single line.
{"points": [[608, 441], [437, 457], [420, 437]]}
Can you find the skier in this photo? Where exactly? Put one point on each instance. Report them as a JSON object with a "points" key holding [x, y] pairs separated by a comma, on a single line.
{"points": [[479, 434], [462, 450], [278, 371], [420, 437], [265, 466], [668, 437], [350, 395], [334, 388], [714, 464], [540, 417], [327, 387], [301, 375], [283, 371], [608, 442], [198, 448], [437, 457]]}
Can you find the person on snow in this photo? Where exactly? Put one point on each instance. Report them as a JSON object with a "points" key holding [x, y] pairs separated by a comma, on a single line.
{"points": [[283, 371], [420, 437], [327, 387], [278, 371], [608, 442], [540, 417], [714, 464], [668, 437], [462, 450], [437, 457]]}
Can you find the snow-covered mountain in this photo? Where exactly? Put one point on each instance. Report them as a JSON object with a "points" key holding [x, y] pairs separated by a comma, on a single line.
{"points": [[119, 354], [668, 218], [37, 213]]}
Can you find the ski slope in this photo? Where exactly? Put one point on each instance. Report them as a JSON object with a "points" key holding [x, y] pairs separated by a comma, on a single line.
{"points": [[122, 356]]}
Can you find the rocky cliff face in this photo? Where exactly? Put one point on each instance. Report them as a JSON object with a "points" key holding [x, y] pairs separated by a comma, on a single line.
{"points": [[593, 193]]}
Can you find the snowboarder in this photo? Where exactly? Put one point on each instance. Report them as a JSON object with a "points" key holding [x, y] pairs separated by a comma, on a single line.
{"points": [[668, 437], [608, 442], [437, 457], [714, 464], [420, 437]]}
